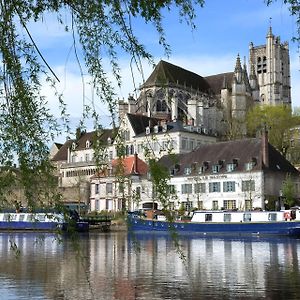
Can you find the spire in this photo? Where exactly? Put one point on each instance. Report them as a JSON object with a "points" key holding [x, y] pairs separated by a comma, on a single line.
{"points": [[238, 66], [270, 34]]}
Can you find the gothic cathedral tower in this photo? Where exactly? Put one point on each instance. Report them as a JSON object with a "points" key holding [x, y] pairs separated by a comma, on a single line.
{"points": [[271, 63]]}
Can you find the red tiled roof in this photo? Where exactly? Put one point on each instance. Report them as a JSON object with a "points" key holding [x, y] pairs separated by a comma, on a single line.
{"points": [[130, 165]]}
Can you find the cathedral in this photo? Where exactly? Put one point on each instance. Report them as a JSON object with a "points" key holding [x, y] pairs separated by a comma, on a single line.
{"points": [[213, 104]]}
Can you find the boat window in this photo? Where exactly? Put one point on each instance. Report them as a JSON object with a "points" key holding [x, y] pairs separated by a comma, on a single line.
{"points": [[21, 218], [247, 217], [41, 218], [13, 217], [227, 217], [6, 217], [272, 217], [30, 218], [208, 217]]}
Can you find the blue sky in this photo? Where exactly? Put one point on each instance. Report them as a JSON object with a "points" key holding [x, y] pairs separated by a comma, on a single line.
{"points": [[224, 29]]}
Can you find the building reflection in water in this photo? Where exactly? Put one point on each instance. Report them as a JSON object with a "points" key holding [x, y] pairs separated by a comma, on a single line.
{"points": [[145, 266]]}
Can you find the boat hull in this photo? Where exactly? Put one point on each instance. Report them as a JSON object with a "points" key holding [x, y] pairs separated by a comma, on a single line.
{"points": [[286, 228]]}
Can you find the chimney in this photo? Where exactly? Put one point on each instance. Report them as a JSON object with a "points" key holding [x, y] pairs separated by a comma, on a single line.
{"points": [[265, 148]]}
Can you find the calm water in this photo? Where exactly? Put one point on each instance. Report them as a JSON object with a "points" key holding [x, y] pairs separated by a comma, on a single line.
{"points": [[118, 266]]}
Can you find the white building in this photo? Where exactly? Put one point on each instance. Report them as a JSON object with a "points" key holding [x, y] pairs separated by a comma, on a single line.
{"points": [[154, 137], [242, 174]]}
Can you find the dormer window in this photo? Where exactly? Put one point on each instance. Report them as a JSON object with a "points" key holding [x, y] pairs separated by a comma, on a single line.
{"points": [[87, 144], [109, 140], [73, 146], [216, 168], [201, 170], [187, 170], [230, 167], [249, 166]]}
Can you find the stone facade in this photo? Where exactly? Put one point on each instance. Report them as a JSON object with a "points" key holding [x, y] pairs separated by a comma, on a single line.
{"points": [[214, 103]]}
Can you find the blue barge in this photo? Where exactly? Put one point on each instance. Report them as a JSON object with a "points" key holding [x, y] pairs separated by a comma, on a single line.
{"points": [[224, 223]]}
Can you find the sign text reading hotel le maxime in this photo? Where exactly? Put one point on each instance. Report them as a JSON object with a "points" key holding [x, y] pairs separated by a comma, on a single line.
{"points": [[206, 177]]}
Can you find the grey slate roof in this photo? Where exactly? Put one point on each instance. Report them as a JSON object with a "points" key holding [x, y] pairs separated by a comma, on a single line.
{"points": [[140, 122], [91, 136], [243, 151], [166, 73], [62, 153], [219, 81]]}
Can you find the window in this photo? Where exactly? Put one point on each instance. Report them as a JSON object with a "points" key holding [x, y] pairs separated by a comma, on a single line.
{"points": [[187, 170], [216, 168], [214, 187], [172, 189], [87, 144], [230, 167], [97, 205], [121, 187], [249, 166], [110, 155], [138, 191], [109, 188], [247, 217], [229, 204], [215, 205], [96, 188], [186, 188], [248, 185], [227, 217], [229, 186], [199, 187], [201, 170], [184, 144], [87, 157], [191, 144], [73, 158], [272, 217], [248, 204], [208, 217]]}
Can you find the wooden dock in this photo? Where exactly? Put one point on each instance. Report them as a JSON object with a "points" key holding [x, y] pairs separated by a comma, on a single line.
{"points": [[98, 222]]}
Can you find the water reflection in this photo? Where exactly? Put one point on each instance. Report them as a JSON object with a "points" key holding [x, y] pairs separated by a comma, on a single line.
{"points": [[147, 266]]}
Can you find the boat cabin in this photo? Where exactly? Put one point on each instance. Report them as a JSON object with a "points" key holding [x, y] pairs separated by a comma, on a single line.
{"points": [[245, 216]]}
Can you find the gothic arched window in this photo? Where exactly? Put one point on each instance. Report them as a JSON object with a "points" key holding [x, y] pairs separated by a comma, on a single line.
{"points": [[164, 105], [158, 105]]}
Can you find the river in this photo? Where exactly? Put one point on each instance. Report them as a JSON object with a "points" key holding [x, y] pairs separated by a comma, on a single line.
{"points": [[118, 265]]}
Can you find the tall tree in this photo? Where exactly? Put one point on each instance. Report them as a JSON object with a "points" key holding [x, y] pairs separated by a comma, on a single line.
{"points": [[278, 120], [100, 29]]}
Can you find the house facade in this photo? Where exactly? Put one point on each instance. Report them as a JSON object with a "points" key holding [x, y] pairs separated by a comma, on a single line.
{"points": [[122, 186], [244, 174]]}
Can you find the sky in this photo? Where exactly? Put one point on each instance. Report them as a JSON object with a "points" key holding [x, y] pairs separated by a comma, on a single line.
{"points": [[224, 30]]}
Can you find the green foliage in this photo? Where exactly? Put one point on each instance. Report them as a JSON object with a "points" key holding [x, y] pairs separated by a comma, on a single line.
{"points": [[101, 29], [288, 191], [278, 120]]}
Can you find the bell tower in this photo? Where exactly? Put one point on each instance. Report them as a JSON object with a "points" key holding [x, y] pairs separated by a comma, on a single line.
{"points": [[271, 63]]}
